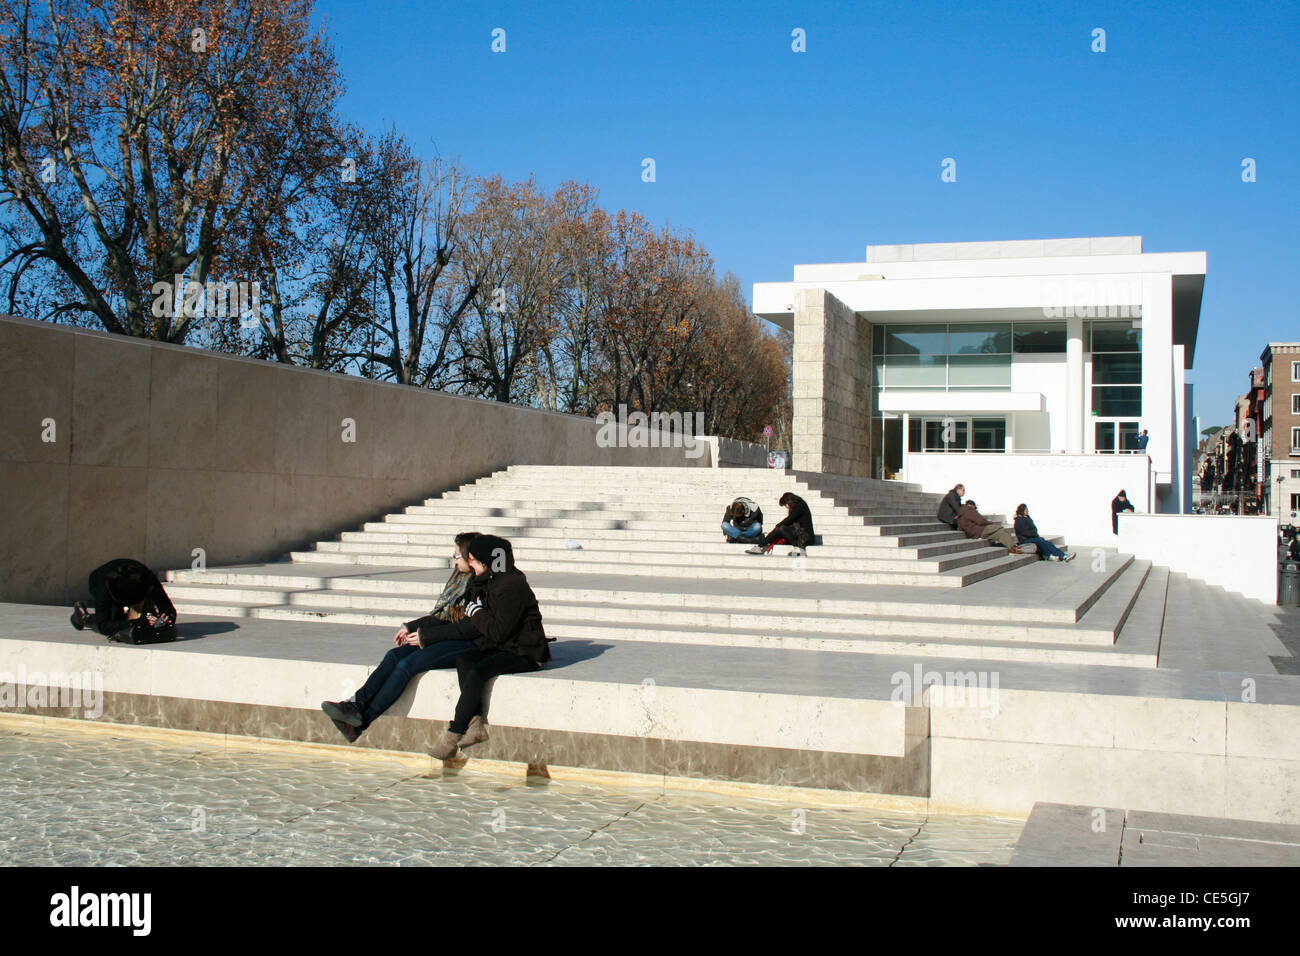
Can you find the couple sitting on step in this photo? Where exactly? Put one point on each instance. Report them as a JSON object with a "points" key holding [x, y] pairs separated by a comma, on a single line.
{"points": [[967, 519], [486, 623], [743, 521]]}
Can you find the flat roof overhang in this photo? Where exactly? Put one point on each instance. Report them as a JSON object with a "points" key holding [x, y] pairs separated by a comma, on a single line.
{"points": [[999, 298]]}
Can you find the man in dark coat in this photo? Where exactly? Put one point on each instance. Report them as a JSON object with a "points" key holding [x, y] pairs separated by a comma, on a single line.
{"points": [[950, 505], [1117, 504], [123, 591]]}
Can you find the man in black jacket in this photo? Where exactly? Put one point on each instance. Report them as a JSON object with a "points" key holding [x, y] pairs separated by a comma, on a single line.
{"points": [[125, 591], [950, 505], [503, 610]]}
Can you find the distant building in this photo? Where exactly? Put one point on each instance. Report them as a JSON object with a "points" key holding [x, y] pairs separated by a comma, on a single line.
{"points": [[1280, 434], [1026, 366]]}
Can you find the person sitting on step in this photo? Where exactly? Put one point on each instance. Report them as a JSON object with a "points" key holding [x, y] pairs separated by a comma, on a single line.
{"points": [[796, 528], [503, 610], [1027, 533], [742, 522], [974, 525], [950, 505], [427, 643]]}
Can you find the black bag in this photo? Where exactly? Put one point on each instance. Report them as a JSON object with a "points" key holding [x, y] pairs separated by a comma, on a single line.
{"points": [[140, 631]]}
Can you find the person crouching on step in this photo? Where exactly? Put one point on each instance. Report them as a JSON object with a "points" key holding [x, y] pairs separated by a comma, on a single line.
{"points": [[503, 611]]}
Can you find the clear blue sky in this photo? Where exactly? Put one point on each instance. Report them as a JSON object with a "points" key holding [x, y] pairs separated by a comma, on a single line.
{"points": [[772, 158]]}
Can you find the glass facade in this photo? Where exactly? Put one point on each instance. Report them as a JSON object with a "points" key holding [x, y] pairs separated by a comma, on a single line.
{"points": [[1116, 349], [962, 434], [954, 356]]}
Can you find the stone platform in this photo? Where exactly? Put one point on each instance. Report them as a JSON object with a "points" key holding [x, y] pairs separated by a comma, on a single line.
{"points": [[1062, 835], [1180, 741], [897, 662]]}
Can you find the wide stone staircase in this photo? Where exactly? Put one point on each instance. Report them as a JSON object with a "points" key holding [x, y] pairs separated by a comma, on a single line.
{"points": [[637, 555]]}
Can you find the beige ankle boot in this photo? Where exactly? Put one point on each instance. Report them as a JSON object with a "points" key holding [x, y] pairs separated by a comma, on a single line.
{"points": [[446, 746], [475, 733]]}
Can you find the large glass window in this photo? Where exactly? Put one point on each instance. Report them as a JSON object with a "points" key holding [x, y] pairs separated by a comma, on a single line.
{"points": [[979, 371], [988, 434], [1034, 337], [952, 434], [979, 339], [1112, 437], [916, 340], [1103, 434], [955, 356], [1115, 400], [1113, 337], [916, 371], [1116, 370]]}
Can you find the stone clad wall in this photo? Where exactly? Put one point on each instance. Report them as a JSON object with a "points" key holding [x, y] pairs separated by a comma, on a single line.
{"points": [[160, 449], [832, 386]]}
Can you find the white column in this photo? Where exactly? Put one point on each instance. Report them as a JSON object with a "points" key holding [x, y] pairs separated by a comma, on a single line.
{"points": [[1158, 411], [1074, 385], [1178, 470], [902, 471]]}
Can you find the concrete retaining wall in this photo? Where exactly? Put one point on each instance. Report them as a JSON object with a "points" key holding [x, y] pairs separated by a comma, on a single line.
{"points": [[112, 446], [730, 453], [1068, 495], [1232, 551]]}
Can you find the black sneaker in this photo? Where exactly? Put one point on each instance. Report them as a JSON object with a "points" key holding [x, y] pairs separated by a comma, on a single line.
{"points": [[81, 617], [347, 730], [344, 711]]}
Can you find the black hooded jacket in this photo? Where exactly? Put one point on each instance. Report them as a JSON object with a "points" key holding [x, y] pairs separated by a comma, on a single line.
{"points": [[510, 619], [800, 515]]}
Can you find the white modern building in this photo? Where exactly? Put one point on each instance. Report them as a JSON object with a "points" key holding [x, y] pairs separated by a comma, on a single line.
{"points": [[1022, 369]]}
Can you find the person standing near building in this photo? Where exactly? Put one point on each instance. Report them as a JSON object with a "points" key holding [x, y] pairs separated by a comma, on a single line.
{"points": [[1142, 440], [1119, 503]]}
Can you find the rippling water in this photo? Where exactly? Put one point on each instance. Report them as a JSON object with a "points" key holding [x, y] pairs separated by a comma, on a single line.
{"points": [[92, 800]]}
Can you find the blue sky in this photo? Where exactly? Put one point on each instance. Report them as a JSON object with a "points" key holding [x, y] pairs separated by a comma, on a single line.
{"points": [[772, 158]]}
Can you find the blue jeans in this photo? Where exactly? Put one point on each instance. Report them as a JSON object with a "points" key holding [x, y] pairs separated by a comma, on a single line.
{"points": [[754, 531], [389, 679], [1044, 546]]}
